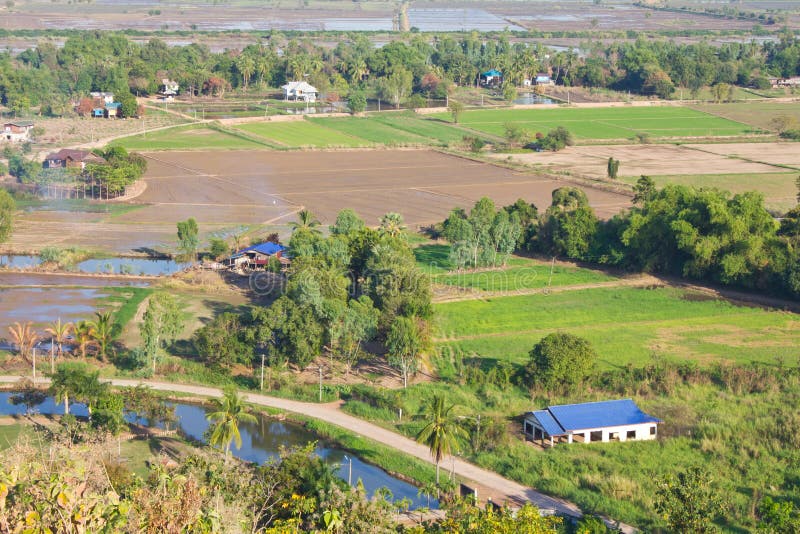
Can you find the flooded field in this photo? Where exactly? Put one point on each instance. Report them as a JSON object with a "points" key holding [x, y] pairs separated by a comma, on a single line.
{"points": [[42, 305]]}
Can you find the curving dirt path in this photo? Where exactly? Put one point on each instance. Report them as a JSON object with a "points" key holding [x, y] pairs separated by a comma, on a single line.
{"points": [[491, 485]]}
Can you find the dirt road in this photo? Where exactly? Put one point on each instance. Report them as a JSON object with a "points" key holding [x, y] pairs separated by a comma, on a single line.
{"points": [[500, 489]]}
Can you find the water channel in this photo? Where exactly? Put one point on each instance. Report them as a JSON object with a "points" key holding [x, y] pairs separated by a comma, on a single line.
{"points": [[261, 441], [116, 265]]}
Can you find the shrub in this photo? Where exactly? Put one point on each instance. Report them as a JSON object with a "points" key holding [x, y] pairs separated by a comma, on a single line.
{"points": [[560, 359]]}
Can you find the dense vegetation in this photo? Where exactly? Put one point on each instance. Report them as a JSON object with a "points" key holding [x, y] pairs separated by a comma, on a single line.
{"points": [[704, 234], [47, 77]]}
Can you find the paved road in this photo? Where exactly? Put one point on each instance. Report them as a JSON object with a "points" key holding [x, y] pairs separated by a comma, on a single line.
{"points": [[499, 488]]}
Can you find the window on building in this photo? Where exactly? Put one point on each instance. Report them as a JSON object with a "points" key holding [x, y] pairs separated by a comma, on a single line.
{"points": [[631, 434], [653, 430]]}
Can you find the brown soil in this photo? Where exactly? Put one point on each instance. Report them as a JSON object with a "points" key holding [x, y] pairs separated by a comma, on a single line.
{"points": [[772, 153]]}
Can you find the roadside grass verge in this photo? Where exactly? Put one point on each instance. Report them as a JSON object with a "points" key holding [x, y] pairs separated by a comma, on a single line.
{"points": [[191, 137], [625, 326], [304, 133]]}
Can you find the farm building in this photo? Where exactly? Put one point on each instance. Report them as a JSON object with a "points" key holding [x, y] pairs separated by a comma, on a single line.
{"points": [[67, 158], [106, 98], [258, 256], [491, 78], [112, 109], [168, 87], [17, 131], [616, 420], [793, 81], [299, 91], [543, 79]]}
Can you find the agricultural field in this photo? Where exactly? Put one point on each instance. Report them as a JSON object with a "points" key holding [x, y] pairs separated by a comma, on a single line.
{"points": [[625, 325], [606, 123], [372, 130], [518, 274], [756, 114], [192, 137], [302, 133]]}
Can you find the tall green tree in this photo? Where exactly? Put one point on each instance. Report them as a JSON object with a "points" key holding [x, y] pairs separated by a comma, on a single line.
{"points": [[689, 501], [162, 322], [229, 413], [102, 333], [188, 237], [8, 207], [441, 431], [305, 221], [404, 343], [560, 359]]}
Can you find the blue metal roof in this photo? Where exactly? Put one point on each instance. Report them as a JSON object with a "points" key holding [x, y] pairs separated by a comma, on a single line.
{"points": [[113, 105], [600, 414], [493, 72], [548, 423], [267, 248]]}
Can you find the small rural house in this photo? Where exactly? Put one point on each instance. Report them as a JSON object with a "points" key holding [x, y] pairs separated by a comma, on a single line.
{"points": [[17, 131], [491, 78], [793, 81], [299, 91], [107, 98], [258, 256], [543, 79], [615, 420], [168, 87], [67, 158], [113, 109]]}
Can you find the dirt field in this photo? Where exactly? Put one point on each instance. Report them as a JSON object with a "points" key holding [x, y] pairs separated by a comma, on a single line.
{"points": [[260, 186], [772, 153], [224, 190], [647, 159]]}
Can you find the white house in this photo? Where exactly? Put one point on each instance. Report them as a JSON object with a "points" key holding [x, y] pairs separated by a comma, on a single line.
{"points": [[168, 87], [299, 91], [616, 420], [17, 131], [543, 79], [107, 98]]}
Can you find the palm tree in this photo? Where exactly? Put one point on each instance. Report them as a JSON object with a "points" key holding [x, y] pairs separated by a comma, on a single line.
{"points": [[230, 413], [392, 224], [59, 332], [305, 220], [24, 337], [101, 333], [83, 336], [441, 432]]}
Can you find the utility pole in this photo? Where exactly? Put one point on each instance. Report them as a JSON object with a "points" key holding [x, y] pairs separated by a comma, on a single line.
{"points": [[320, 382], [52, 357], [34, 364], [262, 372]]}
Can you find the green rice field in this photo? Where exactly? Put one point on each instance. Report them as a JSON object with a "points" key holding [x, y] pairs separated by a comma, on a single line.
{"points": [[372, 130], [625, 325], [605, 123], [302, 133], [192, 137]]}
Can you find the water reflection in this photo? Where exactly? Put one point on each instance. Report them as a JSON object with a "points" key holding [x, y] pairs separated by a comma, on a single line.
{"points": [[261, 441]]}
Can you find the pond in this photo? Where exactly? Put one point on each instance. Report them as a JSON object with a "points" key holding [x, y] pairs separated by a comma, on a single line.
{"points": [[533, 98], [117, 265], [260, 442]]}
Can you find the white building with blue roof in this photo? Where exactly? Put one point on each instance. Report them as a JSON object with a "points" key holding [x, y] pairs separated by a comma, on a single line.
{"points": [[604, 421]]}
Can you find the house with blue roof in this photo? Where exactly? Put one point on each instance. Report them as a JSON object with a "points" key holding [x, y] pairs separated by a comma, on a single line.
{"points": [[258, 256], [491, 78], [604, 421]]}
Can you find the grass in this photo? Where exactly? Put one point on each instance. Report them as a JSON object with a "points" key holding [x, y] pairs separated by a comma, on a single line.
{"points": [[372, 130], [518, 273], [605, 123], [756, 114], [192, 137], [10, 433], [302, 133], [129, 299], [433, 129], [625, 325], [779, 188]]}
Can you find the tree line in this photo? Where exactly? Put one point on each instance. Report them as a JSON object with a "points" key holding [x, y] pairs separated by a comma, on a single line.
{"points": [[50, 78], [702, 234]]}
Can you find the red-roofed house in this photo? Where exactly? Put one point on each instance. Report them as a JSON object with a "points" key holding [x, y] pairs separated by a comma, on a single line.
{"points": [[68, 158]]}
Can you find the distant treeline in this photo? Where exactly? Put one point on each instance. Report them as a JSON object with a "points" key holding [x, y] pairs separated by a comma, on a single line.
{"points": [[702, 234], [48, 77]]}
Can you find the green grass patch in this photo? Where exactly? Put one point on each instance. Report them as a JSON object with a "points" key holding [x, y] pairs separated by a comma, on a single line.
{"points": [[191, 137], [625, 325], [605, 123], [129, 299], [433, 129], [302, 133], [372, 130], [10, 433], [779, 188], [756, 114]]}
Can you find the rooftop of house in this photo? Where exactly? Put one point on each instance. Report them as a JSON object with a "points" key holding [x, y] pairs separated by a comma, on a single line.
{"points": [[493, 73], [299, 86], [562, 419], [20, 124], [269, 248], [74, 155]]}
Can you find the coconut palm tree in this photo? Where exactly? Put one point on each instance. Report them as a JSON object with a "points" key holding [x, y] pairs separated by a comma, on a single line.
{"points": [[226, 419], [101, 333], [24, 337], [305, 220], [59, 333], [441, 432], [392, 224], [83, 336]]}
